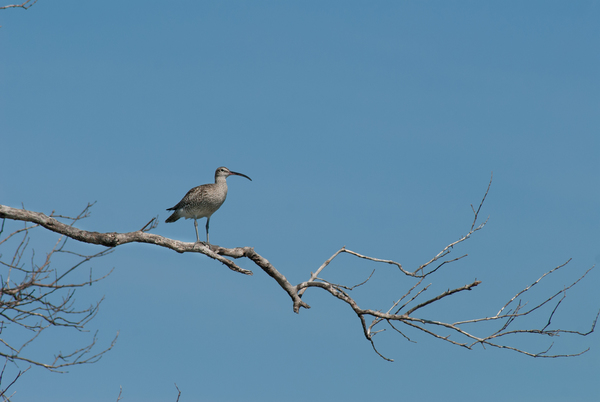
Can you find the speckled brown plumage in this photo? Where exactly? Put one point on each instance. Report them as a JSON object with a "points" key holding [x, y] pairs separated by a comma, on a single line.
{"points": [[204, 200]]}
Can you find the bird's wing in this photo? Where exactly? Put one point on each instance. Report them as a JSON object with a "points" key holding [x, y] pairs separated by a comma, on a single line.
{"points": [[196, 192]]}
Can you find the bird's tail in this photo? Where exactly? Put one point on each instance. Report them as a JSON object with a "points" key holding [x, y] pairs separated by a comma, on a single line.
{"points": [[173, 218]]}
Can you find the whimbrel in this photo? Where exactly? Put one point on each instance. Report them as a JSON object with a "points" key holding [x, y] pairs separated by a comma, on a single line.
{"points": [[204, 200]]}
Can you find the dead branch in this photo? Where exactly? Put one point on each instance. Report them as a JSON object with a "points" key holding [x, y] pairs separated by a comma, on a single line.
{"points": [[25, 5], [36, 296], [178, 393], [114, 239], [408, 314], [5, 389]]}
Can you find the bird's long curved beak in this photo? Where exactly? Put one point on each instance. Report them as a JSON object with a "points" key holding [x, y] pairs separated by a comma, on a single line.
{"points": [[239, 174]]}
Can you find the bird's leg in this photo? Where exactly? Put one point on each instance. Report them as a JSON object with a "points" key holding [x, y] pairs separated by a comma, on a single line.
{"points": [[196, 226], [207, 222]]}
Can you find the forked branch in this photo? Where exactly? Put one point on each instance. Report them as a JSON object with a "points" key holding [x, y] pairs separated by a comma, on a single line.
{"points": [[36, 296], [406, 310], [25, 5]]}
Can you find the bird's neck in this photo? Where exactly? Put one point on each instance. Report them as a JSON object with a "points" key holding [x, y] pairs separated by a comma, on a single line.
{"points": [[221, 181]]}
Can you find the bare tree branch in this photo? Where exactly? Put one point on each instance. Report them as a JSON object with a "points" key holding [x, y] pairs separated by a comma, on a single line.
{"points": [[25, 5], [114, 239], [35, 298], [4, 390], [408, 313], [441, 296], [178, 393]]}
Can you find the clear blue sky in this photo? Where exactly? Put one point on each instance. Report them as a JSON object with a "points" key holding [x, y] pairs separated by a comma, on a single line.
{"points": [[373, 125]]}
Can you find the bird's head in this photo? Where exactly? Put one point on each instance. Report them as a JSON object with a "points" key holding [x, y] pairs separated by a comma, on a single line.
{"points": [[224, 172]]}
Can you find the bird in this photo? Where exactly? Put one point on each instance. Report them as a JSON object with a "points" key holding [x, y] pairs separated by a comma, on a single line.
{"points": [[204, 200]]}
